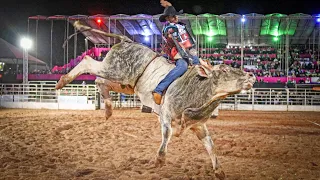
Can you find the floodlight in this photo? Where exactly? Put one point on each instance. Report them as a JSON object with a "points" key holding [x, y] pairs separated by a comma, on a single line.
{"points": [[243, 19], [26, 43]]}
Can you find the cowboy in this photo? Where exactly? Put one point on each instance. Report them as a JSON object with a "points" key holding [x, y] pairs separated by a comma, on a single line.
{"points": [[178, 47]]}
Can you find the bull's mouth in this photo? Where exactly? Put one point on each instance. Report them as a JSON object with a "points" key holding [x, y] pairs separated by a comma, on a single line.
{"points": [[248, 84]]}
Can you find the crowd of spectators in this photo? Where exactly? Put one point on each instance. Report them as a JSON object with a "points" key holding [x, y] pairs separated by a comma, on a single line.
{"points": [[73, 62], [42, 71], [262, 61], [266, 61]]}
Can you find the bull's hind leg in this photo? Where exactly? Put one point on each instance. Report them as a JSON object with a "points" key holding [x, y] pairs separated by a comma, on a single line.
{"points": [[166, 131], [87, 65], [203, 135]]}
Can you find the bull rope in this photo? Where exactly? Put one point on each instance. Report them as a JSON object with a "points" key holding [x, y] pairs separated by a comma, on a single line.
{"points": [[157, 55]]}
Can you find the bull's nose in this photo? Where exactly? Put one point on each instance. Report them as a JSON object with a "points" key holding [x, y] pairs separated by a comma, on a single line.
{"points": [[250, 74]]}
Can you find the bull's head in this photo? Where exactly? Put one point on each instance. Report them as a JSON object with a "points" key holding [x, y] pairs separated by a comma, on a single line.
{"points": [[227, 80]]}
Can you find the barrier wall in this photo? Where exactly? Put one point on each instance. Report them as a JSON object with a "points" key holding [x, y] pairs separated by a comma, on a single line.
{"points": [[86, 97], [44, 96]]}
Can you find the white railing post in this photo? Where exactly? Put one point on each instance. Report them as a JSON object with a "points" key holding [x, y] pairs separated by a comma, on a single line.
{"points": [[305, 97], [288, 94], [87, 93], [41, 91], [134, 100], [235, 102], [253, 99], [270, 96]]}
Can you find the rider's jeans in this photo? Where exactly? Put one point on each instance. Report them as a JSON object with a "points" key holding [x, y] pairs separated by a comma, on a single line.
{"points": [[179, 70]]}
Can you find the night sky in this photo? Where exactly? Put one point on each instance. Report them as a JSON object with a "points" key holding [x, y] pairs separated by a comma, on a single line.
{"points": [[14, 13]]}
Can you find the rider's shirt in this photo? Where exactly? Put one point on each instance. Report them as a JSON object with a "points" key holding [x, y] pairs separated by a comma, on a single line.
{"points": [[183, 39]]}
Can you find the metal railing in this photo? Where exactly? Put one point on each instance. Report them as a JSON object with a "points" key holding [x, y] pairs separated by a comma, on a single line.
{"points": [[276, 96], [260, 96], [44, 92], [120, 100]]}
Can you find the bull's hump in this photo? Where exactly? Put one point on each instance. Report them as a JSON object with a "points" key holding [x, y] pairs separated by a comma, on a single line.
{"points": [[127, 61]]}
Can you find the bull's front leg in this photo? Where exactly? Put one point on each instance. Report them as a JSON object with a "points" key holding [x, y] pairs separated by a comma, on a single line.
{"points": [[87, 65], [166, 131], [105, 89], [108, 107], [203, 135]]}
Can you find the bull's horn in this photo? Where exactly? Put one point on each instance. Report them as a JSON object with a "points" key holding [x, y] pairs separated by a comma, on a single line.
{"points": [[206, 64], [79, 26]]}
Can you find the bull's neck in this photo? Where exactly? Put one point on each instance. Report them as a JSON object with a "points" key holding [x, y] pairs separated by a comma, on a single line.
{"points": [[196, 89], [194, 95]]}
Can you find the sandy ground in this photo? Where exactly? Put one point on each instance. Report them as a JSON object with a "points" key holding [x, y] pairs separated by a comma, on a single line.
{"points": [[50, 144]]}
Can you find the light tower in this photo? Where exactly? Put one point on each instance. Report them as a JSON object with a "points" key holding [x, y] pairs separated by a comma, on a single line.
{"points": [[26, 45]]}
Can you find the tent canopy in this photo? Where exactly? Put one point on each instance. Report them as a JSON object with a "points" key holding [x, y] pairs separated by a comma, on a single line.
{"points": [[12, 55], [224, 29]]}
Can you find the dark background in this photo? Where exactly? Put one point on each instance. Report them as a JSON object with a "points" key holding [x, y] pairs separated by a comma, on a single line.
{"points": [[14, 14]]}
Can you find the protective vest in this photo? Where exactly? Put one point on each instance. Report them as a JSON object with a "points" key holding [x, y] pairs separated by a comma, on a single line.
{"points": [[180, 42]]}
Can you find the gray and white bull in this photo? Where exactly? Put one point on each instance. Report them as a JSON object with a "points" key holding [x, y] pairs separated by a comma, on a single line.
{"points": [[105, 86], [189, 100]]}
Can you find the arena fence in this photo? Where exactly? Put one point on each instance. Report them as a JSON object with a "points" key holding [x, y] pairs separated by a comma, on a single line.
{"points": [[43, 95], [37, 96]]}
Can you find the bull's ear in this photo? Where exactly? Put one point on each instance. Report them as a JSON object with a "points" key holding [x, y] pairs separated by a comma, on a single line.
{"points": [[203, 72]]}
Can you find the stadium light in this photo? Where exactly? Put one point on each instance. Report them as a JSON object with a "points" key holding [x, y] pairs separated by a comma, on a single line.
{"points": [[26, 43], [318, 19], [210, 33], [146, 38], [276, 38], [99, 21], [210, 38], [243, 19]]}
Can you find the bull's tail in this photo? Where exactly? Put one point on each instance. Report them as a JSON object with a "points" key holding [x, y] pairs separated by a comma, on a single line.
{"points": [[81, 27]]}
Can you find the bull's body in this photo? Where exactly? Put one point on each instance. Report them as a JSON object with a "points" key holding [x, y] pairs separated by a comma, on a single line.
{"points": [[105, 86], [189, 100]]}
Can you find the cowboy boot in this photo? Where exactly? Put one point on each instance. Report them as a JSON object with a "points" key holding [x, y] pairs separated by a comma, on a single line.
{"points": [[157, 98]]}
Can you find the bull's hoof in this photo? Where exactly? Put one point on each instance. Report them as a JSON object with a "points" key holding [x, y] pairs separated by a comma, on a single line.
{"points": [[178, 131], [219, 174], [61, 83], [108, 115], [160, 161]]}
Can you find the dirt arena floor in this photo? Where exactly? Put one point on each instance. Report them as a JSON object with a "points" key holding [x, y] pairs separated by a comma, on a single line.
{"points": [[52, 144]]}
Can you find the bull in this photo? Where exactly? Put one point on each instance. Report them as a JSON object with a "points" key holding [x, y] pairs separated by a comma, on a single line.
{"points": [[188, 101], [105, 86]]}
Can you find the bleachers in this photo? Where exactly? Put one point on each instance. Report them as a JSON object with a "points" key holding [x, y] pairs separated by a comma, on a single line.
{"points": [[95, 53], [264, 62]]}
